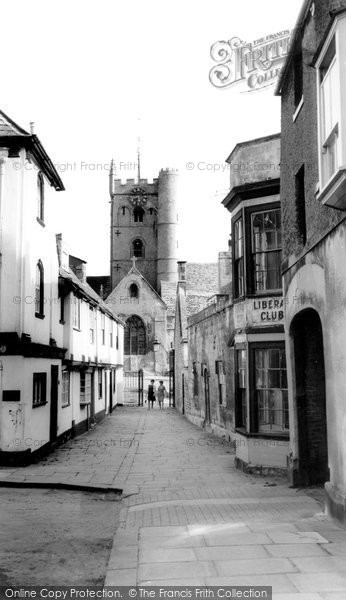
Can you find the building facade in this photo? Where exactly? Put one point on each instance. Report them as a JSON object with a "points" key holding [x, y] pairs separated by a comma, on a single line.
{"points": [[261, 424], [313, 93], [35, 340], [232, 353]]}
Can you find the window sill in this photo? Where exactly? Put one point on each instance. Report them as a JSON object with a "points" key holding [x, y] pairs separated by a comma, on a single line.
{"points": [[272, 436], [66, 405], [39, 315], [38, 405], [62, 322], [275, 292], [76, 329], [298, 109], [40, 222], [334, 192]]}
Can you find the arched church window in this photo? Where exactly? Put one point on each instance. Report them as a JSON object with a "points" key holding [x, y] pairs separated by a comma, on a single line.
{"points": [[138, 214], [134, 337], [133, 289], [123, 210], [137, 248]]}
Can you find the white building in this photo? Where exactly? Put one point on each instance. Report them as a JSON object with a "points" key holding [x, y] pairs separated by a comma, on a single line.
{"points": [[39, 402]]}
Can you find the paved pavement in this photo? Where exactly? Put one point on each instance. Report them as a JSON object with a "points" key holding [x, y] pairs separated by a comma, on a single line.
{"points": [[189, 518]]}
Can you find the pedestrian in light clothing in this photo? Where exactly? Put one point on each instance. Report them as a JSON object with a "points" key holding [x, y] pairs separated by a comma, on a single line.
{"points": [[151, 394], [161, 392]]}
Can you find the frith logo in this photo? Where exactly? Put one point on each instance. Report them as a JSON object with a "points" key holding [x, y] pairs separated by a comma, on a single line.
{"points": [[257, 63]]}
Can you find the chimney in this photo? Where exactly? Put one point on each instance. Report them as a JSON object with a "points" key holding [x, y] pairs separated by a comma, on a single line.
{"points": [[80, 271], [78, 266], [182, 270]]}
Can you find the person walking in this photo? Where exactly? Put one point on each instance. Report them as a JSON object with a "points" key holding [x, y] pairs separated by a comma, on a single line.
{"points": [[151, 394], [161, 392]]}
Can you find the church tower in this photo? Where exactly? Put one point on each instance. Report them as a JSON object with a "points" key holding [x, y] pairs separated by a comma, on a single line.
{"points": [[144, 226]]}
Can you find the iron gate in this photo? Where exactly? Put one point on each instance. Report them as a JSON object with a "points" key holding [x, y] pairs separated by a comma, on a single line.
{"points": [[133, 388]]}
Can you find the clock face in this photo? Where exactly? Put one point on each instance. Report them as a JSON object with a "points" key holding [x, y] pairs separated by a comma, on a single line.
{"points": [[138, 197]]}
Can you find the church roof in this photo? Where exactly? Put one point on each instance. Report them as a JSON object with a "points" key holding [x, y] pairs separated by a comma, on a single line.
{"points": [[100, 283], [134, 271]]}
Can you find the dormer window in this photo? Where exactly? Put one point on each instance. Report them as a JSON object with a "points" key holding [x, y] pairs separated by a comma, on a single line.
{"points": [[40, 197]]}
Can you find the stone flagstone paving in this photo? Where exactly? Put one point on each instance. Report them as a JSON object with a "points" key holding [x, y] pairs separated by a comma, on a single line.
{"points": [[190, 518]]}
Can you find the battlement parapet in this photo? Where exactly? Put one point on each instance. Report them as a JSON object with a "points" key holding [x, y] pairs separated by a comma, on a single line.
{"points": [[169, 171]]}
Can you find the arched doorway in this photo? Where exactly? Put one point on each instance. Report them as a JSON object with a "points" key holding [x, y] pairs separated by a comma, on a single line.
{"points": [[310, 398], [134, 336]]}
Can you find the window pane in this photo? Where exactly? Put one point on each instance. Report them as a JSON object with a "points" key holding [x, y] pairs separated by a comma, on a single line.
{"points": [[271, 390]]}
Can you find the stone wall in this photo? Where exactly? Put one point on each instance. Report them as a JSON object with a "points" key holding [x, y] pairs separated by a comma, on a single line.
{"points": [[208, 337]]}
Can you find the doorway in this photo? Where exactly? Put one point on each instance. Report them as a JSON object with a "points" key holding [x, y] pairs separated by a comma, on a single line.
{"points": [[310, 398], [206, 395]]}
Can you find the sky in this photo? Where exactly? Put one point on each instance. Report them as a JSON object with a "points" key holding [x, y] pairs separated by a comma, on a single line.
{"points": [[95, 76]]}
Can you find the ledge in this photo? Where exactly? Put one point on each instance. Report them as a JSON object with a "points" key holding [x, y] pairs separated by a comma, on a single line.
{"points": [[334, 193]]}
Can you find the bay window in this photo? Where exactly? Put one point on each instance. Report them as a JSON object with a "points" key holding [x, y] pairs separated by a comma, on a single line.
{"points": [[262, 395], [266, 250], [271, 394], [238, 258], [240, 388]]}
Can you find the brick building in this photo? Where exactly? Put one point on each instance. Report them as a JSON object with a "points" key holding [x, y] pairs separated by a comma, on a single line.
{"points": [[313, 175]]}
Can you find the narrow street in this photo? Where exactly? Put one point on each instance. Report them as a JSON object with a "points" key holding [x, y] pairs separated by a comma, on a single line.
{"points": [[187, 516]]}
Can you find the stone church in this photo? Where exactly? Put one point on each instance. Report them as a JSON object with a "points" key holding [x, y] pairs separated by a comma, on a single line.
{"points": [[142, 285], [143, 266]]}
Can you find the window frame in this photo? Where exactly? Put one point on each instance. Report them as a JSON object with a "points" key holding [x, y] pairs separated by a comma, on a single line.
{"points": [[65, 393], [241, 259], [250, 254], [133, 250], [333, 137], [85, 384], [100, 385], [220, 373], [138, 214], [76, 313], [249, 268], [91, 325], [40, 379], [39, 290], [253, 404], [103, 329], [241, 416], [40, 198]]}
